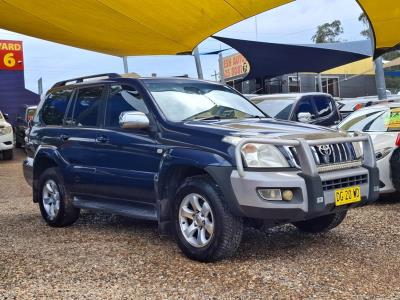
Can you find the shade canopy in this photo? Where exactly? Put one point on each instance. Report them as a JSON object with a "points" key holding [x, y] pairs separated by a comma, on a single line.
{"points": [[127, 27], [269, 60], [384, 16]]}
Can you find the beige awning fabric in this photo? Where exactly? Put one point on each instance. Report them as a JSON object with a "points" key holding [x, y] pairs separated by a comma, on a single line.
{"points": [[128, 27], [384, 16]]}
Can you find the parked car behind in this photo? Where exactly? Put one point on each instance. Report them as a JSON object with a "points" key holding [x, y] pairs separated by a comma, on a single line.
{"points": [[311, 108], [6, 138], [382, 123], [195, 156], [21, 125], [350, 105]]}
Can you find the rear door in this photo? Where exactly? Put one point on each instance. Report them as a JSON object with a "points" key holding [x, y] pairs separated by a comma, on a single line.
{"points": [[80, 135], [128, 158]]}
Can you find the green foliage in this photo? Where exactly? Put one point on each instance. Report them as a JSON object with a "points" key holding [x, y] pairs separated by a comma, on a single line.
{"points": [[328, 32], [364, 19]]}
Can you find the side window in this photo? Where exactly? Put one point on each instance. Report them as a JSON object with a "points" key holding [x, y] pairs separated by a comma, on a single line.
{"points": [[305, 105], [122, 98], [87, 106], [54, 107], [324, 105]]}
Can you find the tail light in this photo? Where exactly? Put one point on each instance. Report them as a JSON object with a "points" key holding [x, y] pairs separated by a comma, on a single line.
{"points": [[398, 140]]}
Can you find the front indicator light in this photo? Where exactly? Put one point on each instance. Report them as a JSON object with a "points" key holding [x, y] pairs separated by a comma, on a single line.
{"points": [[270, 194]]}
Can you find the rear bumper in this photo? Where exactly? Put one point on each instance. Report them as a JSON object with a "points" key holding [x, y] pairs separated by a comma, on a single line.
{"points": [[313, 196], [27, 167]]}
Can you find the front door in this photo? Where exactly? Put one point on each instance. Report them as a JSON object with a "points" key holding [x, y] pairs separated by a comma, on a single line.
{"points": [[128, 158]]}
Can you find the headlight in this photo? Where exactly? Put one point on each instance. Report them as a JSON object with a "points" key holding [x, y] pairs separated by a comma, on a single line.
{"points": [[5, 130], [263, 156], [382, 153]]}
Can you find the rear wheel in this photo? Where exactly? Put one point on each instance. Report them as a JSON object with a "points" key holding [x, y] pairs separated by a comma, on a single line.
{"points": [[205, 228], [321, 224], [55, 204], [8, 154]]}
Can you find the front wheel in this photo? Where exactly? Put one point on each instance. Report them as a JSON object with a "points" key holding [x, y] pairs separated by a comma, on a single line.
{"points": [[205, 228], [321, 224]]}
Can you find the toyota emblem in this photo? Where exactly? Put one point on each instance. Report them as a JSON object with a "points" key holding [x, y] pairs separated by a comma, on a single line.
{"points": [[325, 150]]}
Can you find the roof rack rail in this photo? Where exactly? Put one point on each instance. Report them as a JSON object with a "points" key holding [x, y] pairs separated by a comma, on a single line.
{"points": [[81, 79]]}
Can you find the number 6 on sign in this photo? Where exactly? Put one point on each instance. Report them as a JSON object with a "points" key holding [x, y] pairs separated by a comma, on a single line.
{"points": [[9, 60]]}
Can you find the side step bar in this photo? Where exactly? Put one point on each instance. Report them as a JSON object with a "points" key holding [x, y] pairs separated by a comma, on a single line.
{"points": [[122, 208]]}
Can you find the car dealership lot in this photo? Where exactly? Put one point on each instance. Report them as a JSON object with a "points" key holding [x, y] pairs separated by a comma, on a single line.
{"points": [[105, 256]]}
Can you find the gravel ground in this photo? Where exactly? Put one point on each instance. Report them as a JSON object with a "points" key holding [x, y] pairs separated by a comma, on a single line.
{"points": [[104, 257]]}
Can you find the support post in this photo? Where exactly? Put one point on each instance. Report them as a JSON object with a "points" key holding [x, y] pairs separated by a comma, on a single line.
{"points": [[125, 61], [40, 86], [319, 77], [196, 55], [221, 68], [380, 79]]}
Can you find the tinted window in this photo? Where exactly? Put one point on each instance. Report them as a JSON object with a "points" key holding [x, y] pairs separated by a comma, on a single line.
{"points": [[122, 98], [324, 105], [54, 107], [305, 105], [87, 106]]}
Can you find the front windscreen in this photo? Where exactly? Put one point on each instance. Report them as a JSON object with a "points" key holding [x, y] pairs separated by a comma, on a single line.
{"points": [[184, 101]]}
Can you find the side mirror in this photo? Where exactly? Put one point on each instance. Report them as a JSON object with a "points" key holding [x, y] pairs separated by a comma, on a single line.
{"points": [[305, 117], [133, 120]]}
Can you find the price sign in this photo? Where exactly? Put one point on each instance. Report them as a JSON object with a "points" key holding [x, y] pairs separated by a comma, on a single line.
{"points": [[11, 55]]}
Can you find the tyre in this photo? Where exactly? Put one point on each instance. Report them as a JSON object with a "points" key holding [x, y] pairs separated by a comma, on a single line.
{"points": [[205, 228], [321, 224], [55, 204], [8, 154]]}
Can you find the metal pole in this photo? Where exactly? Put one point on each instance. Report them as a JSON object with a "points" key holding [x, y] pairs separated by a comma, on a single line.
{"points": [[319, 77], [40, 86], [380, 79], [125, 61], [379, 72], [198, 63], [221, 68]]}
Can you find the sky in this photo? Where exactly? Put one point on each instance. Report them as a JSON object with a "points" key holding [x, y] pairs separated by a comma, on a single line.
{"points": [[292, 23]]}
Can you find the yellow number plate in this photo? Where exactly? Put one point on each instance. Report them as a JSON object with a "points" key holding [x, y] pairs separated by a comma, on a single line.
{"points": [[347, 195]]}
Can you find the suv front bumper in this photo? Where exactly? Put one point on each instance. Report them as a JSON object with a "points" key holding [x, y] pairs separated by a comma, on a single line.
{"points": [[313, 186], [6, 141]]}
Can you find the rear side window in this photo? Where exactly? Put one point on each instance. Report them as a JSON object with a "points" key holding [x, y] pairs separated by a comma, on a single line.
{"points": [[122, 98], [87, 106], [54, 107], [324, 105]]}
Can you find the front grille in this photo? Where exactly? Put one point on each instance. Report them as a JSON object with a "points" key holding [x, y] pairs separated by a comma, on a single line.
{"points": [[333, 184], [326, 154]]}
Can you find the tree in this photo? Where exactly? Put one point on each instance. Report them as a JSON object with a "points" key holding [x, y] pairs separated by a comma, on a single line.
{"points": [[328, 32], [364, 19]]}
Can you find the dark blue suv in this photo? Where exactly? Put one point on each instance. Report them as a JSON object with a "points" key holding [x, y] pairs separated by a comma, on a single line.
{"points": [[195, 156]]}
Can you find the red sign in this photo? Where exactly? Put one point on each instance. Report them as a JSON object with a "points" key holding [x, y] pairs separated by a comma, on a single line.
{"points": [[235, 65], [11, 55]]}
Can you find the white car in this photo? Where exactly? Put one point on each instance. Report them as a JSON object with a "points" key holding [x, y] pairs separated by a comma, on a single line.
{"points": [[6, 138], [382, 123]]}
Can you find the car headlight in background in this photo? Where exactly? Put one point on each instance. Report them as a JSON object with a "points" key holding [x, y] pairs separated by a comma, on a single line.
{"points": [[382, 153], [5, 130], [263, 156]]}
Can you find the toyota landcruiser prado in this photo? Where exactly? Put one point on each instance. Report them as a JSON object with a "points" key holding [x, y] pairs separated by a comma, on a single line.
{"points": [[195, 156]]}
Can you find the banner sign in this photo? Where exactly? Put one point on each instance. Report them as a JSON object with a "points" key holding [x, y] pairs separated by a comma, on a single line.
{"points": [[11, 55], [235, 65]]}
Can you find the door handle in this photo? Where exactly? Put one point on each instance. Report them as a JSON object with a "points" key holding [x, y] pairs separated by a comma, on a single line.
{"points": [[64, 137], [102, 139]]}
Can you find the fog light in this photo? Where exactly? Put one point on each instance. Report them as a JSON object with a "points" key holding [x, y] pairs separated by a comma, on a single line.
{"points": [[287, 195], [270, 194]]}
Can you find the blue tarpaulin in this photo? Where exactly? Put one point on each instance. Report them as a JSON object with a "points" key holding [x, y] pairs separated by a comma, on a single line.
{"points": [[268, 60]]}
